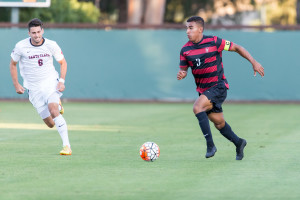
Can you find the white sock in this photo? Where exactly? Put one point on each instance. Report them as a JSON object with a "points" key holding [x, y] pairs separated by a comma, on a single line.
{"points": [[62, 128]]}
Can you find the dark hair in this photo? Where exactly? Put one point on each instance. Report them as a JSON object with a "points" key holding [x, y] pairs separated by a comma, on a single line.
{"points": [[34, 23], [197, 19]]}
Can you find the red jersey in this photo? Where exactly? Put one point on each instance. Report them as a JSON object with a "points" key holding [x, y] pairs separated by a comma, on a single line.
{"points": [[205, 60]]}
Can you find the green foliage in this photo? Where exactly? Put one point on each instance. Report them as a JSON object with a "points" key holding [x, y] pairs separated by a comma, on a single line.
{"points": [[281, 12], [63, 11], [179, 10], [5, 14]]}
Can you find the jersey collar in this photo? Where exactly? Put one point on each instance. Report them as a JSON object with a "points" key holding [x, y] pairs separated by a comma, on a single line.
{"points": [[199, 41], [37, 45]]}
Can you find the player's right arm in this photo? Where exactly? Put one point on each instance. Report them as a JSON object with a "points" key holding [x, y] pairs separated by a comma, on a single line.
{"points": [[14, 76], [183, 67], [182, 73]]}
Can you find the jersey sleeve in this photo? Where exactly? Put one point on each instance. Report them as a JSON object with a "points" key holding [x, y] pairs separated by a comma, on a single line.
{"points": [[57, 52], [183, 61], [222, 44], [16, 53]]}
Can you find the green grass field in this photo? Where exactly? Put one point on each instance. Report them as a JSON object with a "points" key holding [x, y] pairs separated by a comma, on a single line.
{"points": [[105, 164]]}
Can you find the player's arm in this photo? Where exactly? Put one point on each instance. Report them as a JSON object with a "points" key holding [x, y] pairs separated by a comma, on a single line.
{"points": [[14, 76], [244, 53], [183, 65], [63, 72], [182, 73]]}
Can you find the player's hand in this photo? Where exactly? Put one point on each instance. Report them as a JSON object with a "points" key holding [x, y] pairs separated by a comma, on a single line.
{"points": [[19, 89], [181, 74], [258, 68], [60, 87]]}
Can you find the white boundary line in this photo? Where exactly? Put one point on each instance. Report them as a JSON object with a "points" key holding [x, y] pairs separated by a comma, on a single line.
{"points": [[70, 127]]}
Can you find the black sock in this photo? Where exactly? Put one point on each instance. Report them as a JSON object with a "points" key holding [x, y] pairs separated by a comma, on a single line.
{"points": [[204, 125], [229, 134]]}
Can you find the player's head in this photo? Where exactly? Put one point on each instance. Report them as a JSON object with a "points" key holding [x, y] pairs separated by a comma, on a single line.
{"points": [[195, 28], [36, 31], [35, 23], [197, 19]]}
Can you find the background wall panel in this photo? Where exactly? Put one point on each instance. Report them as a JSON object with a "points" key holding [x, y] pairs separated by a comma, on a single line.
{"points": [[142, 64]]}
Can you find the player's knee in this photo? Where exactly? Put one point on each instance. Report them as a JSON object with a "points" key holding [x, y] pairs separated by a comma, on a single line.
{"points": [[50, 125], [219, 125], [195, 110], [53, 109], [54, 112], [198, 108]]}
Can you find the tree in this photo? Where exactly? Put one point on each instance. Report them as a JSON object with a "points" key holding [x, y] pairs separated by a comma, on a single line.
{"points": [[63, 11], [155, 10], [298, 11], [122, 8], [282, 12], [178, 10], [5, 14], [135, 11], [147, 11]]}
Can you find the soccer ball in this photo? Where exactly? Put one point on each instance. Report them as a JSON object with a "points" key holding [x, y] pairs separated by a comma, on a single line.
{"points": [[149, 151]]}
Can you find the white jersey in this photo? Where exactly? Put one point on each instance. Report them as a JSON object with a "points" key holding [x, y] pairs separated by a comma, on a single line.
{"points": [[36, 62]]}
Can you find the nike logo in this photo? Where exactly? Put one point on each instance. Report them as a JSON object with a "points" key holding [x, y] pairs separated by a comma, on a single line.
{"points": [[61, 125], [186, 53], [205, 135]]}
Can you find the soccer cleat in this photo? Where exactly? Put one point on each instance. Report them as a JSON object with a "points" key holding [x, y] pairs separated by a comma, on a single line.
{"points": [[61, 108], [240, 150], [211, 151], [66, 151]]}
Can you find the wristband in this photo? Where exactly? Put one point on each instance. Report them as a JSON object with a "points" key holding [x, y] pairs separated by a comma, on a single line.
{"points": [[62, 80]]}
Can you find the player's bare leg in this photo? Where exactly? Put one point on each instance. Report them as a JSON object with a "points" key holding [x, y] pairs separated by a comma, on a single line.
{"points": [[225, 130], [49, 122], [60, 124], [53, 109], [217, 119], [201, 106]]}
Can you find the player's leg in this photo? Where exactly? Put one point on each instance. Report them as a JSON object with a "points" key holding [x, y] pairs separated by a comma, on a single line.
{"points": [[60, 123], [223, 127], [226, 131], [46, 116], [201, 105], [37, 100]]}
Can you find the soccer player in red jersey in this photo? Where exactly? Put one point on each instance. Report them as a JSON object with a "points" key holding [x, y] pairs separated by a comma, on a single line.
{"points": [[204, 55]]}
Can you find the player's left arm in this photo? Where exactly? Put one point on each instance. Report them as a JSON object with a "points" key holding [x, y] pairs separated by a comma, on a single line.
{"points": [[63, 72], [257, 67]]}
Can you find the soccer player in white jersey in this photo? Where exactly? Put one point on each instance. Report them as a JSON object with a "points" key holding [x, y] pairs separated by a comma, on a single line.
{"points": [[41, 80]]}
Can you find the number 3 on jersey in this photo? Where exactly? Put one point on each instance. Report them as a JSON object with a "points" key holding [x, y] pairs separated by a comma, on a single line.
{"points": [[198, 62], [40, 61]]}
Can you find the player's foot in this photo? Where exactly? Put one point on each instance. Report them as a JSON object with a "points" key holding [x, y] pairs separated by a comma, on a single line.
{"points": [[61, 108], [66, 151], [211, 151], [240, 150]]}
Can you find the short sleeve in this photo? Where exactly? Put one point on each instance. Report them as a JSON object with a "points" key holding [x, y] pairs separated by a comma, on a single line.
{"points": [[16, 54], [222, 44], [57, 52], [183, 60]]}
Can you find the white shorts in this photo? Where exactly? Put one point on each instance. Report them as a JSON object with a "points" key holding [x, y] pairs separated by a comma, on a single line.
{"points": [[42, 97]]}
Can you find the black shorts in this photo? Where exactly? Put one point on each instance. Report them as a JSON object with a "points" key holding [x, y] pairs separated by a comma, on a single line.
{"points": [[217, 95]]}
